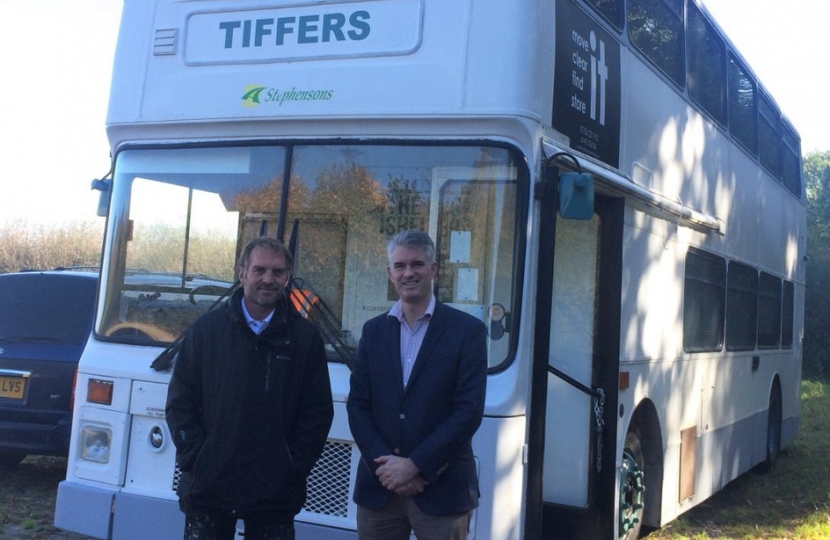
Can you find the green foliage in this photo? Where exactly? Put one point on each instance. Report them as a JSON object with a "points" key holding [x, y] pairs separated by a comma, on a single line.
{"points": [[24, 245], [817, 303]]}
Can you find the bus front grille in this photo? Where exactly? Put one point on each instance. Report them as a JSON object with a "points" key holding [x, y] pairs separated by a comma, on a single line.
{"points": [[328, 482]]}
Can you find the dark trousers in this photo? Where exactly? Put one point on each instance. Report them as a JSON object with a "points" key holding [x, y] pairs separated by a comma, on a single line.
{"points": [[211, 524]]}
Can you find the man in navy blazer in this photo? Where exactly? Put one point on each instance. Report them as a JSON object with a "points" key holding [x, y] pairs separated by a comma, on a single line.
{"points": [[416, 399]]}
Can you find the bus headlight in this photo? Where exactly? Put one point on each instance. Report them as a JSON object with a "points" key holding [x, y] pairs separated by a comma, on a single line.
{"points": [[95, 444]]}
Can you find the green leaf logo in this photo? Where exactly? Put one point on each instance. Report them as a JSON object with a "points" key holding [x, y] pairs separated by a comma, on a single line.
{"points": [[251, 96]]}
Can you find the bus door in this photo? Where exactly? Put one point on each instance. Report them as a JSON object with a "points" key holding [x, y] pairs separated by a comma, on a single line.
{"points": [[576, 363]]}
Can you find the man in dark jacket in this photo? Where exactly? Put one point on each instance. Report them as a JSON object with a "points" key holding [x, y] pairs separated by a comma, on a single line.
{"points": [[249, 406]]}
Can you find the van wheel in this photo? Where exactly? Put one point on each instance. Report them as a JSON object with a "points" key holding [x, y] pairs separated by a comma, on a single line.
{"points": [[632, 487]]}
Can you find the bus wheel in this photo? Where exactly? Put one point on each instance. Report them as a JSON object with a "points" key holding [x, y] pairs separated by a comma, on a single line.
{"points": [[632, 487], [774, 415]]}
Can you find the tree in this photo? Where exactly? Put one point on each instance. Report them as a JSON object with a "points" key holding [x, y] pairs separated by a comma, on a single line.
{"points": [[816, 170]]}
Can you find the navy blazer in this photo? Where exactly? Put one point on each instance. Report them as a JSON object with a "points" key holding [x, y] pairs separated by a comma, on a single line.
{"points": [[433, 420]]}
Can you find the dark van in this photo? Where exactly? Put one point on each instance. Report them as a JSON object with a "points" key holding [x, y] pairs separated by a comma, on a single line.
{"points": [[45, 321]]}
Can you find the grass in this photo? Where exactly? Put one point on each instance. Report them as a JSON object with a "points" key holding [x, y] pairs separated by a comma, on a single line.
{"points": [[27, 500], [791, 502], [26, 245]]}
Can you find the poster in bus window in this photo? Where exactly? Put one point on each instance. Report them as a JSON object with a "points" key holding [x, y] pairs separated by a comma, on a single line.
{"points": [[586, 91]]}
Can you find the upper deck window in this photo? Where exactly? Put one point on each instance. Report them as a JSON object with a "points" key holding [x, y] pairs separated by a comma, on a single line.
{"points": [[769, 132], [611, 10], [791, 161], [655, 27], [706, 55], [743, 109]]}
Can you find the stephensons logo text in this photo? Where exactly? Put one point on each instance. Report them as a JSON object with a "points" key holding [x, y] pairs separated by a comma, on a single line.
{"points": [[257, 94]]}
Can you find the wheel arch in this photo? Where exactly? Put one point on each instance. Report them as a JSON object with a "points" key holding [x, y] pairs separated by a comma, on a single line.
{"points": [[646, 420], [774, 424]]}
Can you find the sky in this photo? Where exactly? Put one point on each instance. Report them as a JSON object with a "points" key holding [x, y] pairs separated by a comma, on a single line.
{"points": [[56, 62], [785, 43]]}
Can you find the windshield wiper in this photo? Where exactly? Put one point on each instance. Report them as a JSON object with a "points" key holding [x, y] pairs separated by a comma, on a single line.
{"points": [[164, 361]]}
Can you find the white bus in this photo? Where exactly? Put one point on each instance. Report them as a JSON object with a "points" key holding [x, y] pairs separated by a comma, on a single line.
{"points": [[609, 187]]}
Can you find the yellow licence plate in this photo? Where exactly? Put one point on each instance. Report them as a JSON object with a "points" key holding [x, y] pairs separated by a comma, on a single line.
{"points": [[13, 387]]}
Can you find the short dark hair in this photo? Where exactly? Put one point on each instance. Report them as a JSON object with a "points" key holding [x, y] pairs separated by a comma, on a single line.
{"points": [[265, 242], [412, 238]]}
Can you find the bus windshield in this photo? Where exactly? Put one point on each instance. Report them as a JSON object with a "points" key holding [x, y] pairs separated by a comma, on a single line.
{"points": [[182, 215]]}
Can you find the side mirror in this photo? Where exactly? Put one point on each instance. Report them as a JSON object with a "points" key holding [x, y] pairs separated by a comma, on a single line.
{"points": [[576, 195], [104, 186]]}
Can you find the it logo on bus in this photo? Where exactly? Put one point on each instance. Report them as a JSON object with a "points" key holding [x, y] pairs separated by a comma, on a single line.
{"points": [[596, 68], [257, 94], [587, 86]]}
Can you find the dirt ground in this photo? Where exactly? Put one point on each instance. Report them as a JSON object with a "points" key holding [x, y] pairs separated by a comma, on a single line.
{"points": [[27, 500]]}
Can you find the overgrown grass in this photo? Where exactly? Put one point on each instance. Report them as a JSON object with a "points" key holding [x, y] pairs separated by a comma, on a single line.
{"points": [[791, 502], [36, 246], [24, 245]]}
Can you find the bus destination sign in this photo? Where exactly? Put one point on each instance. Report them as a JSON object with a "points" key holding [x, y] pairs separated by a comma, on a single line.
{"points": [[310, 32]]}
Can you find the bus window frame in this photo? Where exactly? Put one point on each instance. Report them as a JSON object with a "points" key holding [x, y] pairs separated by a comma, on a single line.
{"points": [[697, 65], [750, 144], [523, 194], [677, 79], [596, 7]]}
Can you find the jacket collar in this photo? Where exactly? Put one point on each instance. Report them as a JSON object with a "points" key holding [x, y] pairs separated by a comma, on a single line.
{"points": [[281, 317]]}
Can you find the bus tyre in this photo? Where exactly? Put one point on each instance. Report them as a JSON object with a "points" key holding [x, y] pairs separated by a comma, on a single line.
{"points": [[774, 415], [632, 487]]}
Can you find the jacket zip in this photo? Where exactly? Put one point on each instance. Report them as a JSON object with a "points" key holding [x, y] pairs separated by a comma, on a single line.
{"points": [[268, 372]]}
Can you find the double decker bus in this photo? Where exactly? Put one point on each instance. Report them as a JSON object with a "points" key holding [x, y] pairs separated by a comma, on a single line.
{"points": [[610, 189]]}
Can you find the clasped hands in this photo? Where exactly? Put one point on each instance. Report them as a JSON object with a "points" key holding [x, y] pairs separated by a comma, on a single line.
{"points": [[400, 475]]}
